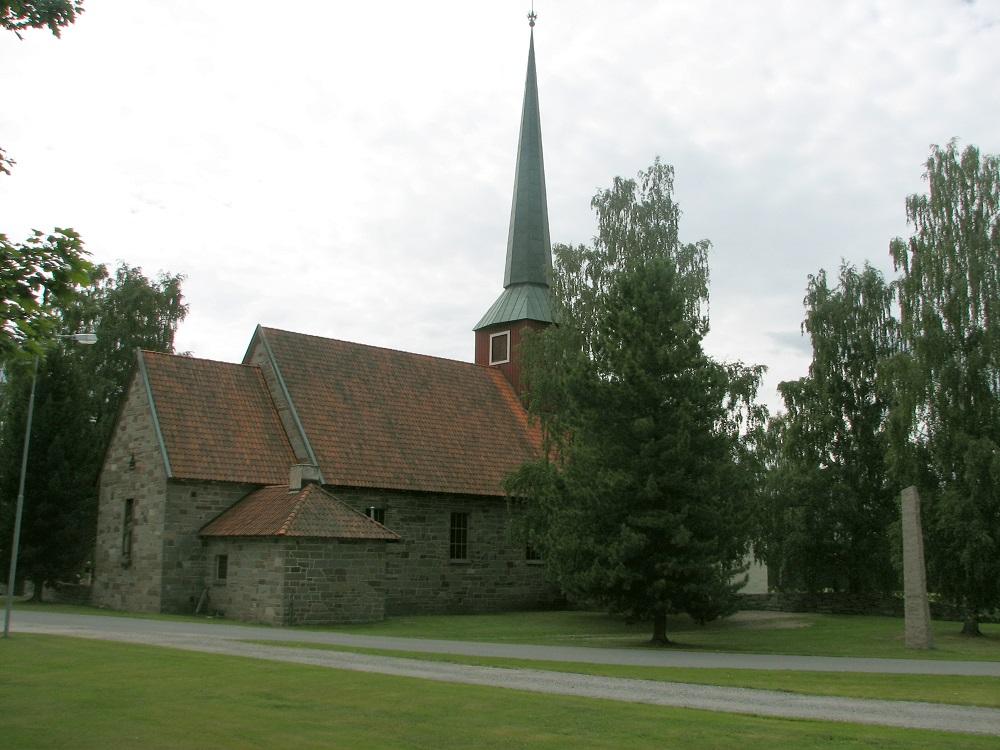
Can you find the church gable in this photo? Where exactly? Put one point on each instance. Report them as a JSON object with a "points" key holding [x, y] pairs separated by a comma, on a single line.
{"points": [[217, 420], [380, 418]]}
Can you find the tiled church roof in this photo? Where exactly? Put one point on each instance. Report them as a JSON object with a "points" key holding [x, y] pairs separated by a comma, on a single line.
{"points": [[387, 419], [217, 420], [309, 512]]}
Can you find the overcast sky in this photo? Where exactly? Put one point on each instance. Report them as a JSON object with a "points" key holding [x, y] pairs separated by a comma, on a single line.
{"points": [[345, 169]]}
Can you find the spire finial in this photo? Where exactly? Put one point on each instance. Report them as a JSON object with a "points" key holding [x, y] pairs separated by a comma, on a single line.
{"points": [[532, 16]]}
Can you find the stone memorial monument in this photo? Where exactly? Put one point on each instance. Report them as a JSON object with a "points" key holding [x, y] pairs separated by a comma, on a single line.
{"points": [[917, 609]]}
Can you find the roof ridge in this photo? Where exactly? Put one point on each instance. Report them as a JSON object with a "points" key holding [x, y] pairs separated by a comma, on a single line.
{"points": [[372, 346], [191, 358], [303, 496]]}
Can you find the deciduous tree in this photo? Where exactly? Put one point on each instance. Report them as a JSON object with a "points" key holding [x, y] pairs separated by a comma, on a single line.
{"points": [[948, 375], [40, 274], [828, 501], [18, 15], [37, 278]]}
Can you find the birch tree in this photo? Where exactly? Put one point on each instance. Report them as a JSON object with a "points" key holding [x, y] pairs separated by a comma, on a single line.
{"points": [[948, 376]]}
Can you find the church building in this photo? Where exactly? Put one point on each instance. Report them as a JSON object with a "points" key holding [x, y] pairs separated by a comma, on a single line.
{"points": [[322, 481]]}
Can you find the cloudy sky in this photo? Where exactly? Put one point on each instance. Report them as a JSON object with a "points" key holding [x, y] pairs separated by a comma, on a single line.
{"points": [[345, 169]]}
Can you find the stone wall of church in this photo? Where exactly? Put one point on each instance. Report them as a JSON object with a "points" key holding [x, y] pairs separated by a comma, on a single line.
{"points": [[189, 506], [253, 587], [420, 577], [296, 581], [128, 561], [330, 581]]}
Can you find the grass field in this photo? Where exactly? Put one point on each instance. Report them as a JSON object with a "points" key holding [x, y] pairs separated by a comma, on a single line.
{"points": [[763, 632], [63, 692], [957, 690]]}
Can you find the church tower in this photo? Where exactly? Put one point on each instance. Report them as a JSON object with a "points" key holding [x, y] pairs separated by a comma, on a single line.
{"points": [[524, 304]]}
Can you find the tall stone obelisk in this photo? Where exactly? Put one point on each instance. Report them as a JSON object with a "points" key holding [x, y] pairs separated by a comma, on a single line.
{"points": [[917, 610]]}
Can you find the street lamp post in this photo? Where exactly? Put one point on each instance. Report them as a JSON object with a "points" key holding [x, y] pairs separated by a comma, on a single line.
{"points": [[80, 338]]}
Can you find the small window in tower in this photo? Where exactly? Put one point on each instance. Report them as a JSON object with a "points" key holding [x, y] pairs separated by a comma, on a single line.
{"points": [[221, 567], [376, 514], [499, 348]]}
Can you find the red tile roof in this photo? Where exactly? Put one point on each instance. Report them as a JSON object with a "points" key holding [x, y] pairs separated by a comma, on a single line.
{"points": [[310, 512], [393, 420], [217, 420]]}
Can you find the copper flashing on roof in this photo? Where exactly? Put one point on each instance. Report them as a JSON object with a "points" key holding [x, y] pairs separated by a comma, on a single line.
{"points": [[259, 334], [152, 412]]}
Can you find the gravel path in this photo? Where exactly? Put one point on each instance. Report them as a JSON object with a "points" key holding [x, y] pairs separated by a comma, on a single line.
{"points": [[218, 639], [25, 620]]}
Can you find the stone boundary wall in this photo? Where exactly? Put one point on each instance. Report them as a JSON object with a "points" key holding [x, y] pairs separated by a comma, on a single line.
{"points": [[66, 593], [836, 603]]}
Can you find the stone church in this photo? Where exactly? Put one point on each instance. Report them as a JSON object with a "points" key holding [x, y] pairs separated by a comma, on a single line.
{"points": [[322, 481]]}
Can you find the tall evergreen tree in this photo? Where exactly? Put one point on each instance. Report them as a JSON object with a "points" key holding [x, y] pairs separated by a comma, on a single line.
{"points": [[641, 502], [947, 416], [828, 501]]}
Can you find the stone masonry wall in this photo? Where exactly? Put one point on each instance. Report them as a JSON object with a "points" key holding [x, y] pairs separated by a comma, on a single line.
{"points": [[331, 581], [190, 505], [253, 588], [419, 576], [133, 469], [296, 581]]}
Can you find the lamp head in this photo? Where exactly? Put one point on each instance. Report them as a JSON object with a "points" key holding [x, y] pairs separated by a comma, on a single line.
{"points": [[82, 338]]}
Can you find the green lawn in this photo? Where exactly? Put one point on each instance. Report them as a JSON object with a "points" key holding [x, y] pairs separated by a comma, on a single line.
{"points": [[64, 692], [763, 632], [957, 690], [82, 609]]}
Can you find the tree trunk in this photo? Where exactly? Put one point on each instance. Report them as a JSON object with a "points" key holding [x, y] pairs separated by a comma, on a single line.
{"points": [[971, 626], [660, 630], [36, 594]]}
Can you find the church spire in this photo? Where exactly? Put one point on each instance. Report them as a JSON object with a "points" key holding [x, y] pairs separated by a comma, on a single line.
{"points": [[524, 304], [529, 250], [529, 253]]}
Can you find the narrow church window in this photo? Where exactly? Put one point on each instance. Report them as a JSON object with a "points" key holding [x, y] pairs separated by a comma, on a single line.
{"points": [[458, 546], [128, 521], [499, 348], [221, 567], [376, 514]]}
